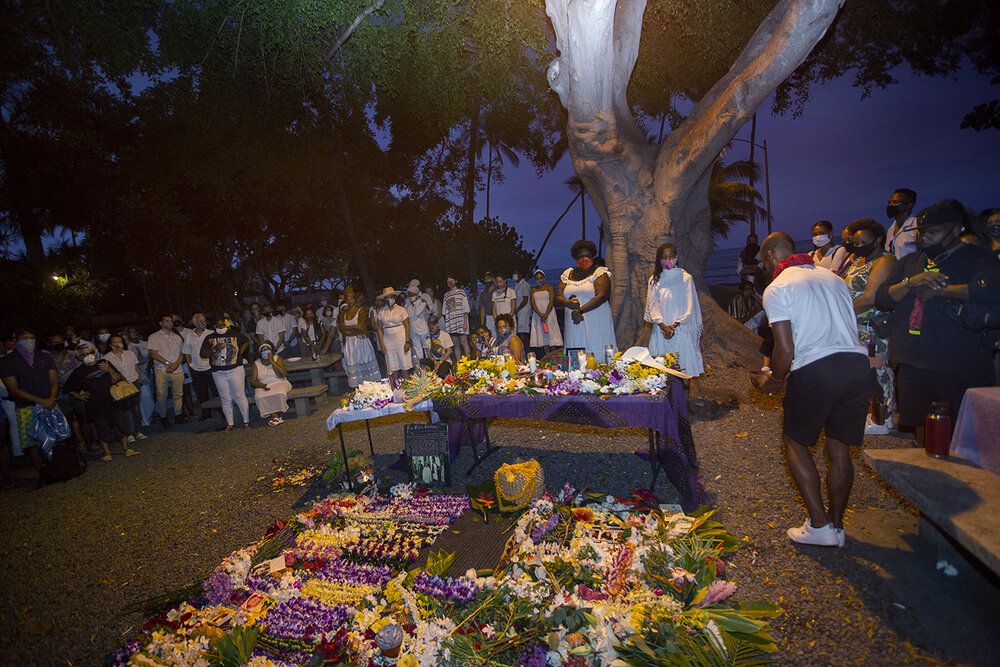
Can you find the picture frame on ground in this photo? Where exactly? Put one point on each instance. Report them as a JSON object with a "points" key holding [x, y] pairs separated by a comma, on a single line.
{"points": [[427, 454]]}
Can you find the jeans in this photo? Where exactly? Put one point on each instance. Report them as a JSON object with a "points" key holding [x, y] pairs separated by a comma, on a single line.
{"points": [[231, 385], [176, 381]]}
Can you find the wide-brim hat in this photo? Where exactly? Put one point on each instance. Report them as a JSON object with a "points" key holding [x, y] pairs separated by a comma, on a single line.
{"points": [[413, 284], [642, 356], [387, 292]]}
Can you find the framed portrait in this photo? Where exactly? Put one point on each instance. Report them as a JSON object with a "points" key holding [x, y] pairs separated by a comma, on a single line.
{"points": [[573, 358], [427, 453]]}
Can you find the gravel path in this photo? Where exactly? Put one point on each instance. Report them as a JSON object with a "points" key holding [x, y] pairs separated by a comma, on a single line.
{"points": [[73, 554]]}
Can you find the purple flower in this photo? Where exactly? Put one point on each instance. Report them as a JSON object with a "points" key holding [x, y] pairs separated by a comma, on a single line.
{"points": [[218, 588], [533, 656], [543, 528], [453, 590], [717, 590], [123, 654], [305, 619]]}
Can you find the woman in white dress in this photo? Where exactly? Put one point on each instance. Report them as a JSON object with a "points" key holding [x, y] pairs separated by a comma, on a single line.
{"points": [[359, 355], [270, 384], [673, 314], [394, 335], [544, 323], [584, 291]]}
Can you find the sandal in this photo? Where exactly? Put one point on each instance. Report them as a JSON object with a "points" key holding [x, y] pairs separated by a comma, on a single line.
{"points": [[106, 457], [130, 452]]}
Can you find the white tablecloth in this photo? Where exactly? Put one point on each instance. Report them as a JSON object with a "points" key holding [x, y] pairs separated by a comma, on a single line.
{"points": [[342, 415]]}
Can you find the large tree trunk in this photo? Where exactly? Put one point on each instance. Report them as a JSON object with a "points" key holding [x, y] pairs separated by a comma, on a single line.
{"points": [[647, 195], [469, 203]]}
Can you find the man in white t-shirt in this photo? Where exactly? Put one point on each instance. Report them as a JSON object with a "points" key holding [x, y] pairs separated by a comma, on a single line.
{"points": [[440, 346], [291, 331], [901, 237], [166, 349], [816, 350], [201, 369], [271, 328], [522, 311], [504, 298]]}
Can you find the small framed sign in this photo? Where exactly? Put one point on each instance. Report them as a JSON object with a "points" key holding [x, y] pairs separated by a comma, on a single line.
{"points": [[576, 358], [427, 453]]}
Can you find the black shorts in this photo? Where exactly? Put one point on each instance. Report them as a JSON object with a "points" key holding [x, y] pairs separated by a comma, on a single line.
{"points": [[830, 393], [918, 388]]}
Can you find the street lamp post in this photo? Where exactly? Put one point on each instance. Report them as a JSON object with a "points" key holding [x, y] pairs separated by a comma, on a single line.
{"points": [[767, 175]]}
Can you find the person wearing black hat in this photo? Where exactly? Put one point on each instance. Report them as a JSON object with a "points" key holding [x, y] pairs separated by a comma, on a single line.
{"points": [[938, 357]]}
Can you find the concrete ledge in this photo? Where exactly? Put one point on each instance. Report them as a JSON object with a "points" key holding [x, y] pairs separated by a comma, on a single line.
{"points": [[960, 498]]}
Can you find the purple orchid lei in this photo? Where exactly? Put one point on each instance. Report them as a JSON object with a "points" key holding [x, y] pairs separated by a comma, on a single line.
{"points": [[445, 588], [355, 574], [304, 619], [218, 588]]}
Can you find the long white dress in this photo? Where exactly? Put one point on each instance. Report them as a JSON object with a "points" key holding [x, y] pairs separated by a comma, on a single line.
{"points": [[274, 398], [670, 299], [597, 328], [394, 337], [538, 336], [359, 355]]}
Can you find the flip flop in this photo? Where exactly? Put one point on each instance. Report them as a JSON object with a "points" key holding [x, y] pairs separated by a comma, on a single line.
{"points": [[130, 452], [106, 457]]}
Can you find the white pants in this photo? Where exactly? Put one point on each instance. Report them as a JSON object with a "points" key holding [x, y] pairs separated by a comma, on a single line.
{"points": [[231, 386]]}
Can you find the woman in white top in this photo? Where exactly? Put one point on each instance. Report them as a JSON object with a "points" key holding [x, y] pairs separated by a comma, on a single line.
{"points": [[359, 355], [125, 362], [270, 384], [544, 323], [315, 337], [394, 335], [673, 313], [584, 291]]}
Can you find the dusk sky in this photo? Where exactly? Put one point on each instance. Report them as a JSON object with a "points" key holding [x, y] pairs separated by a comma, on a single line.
{"points": [[839, 161]]}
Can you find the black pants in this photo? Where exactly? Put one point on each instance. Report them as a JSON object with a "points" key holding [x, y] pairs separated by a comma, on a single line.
{"points": [[204, 386]]}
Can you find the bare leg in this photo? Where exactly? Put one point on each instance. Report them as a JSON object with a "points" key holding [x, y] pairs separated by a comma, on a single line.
{"points": [[806, 478], [35, 456], [839, 479]]}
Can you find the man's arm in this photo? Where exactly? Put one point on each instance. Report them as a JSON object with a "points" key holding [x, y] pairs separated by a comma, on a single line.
{"points": [[781, 358]]}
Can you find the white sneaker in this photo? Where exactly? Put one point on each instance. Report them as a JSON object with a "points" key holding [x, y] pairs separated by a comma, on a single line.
{"points": [[871, 428], [130, 439], [841, 536], [824, 536]]}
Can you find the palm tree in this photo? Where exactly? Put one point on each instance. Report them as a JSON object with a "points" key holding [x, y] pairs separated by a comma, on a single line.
{"points": [[574, 183], [731, 200]]}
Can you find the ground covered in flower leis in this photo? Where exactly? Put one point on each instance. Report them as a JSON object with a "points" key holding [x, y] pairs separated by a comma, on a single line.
{"points": [[584, 580]]}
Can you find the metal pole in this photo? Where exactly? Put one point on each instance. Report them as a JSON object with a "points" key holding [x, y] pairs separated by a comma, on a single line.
{"points": [[753, 139], [767, 188]]}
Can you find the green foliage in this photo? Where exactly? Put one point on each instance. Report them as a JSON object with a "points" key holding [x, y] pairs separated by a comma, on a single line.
{"points": [[236, 648], [438, 562], [335, 469]]}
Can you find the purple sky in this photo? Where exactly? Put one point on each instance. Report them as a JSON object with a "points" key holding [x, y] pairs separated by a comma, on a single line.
{"points": [[839, 161]]}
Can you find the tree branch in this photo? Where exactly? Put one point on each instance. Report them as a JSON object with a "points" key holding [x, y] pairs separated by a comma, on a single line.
{"points": [[349, 30]]}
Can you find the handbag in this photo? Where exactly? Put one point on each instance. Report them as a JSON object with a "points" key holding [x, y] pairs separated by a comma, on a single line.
{"points": [[882, 324], [48, 427], [123, 389]]}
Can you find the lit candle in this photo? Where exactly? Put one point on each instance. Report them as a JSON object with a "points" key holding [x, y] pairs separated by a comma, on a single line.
{"points": [[609, 353], [532, 362], [581, 360]]}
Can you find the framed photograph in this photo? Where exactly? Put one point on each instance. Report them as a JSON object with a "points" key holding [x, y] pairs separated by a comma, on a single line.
{"points": [[573, 358], [427, 452]]}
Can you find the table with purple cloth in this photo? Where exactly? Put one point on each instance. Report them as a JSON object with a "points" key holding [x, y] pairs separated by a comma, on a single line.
{"points": [[663, 415], [977, 429]]}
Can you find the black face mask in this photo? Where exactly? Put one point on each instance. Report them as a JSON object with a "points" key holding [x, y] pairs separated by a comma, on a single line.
{"points": [[864, 250], [849, 246], [892, 210], [934, 249]]}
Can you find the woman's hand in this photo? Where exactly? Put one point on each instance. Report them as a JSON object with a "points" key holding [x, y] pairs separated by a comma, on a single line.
{"points": [[668, 331], [407, 346]]}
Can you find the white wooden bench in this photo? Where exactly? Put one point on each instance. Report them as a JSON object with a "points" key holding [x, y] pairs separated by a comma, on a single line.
{"points": [[302, 395]]}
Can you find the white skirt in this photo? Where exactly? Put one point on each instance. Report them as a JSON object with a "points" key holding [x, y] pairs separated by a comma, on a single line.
{"points": [[274, 399], [359, 360]]}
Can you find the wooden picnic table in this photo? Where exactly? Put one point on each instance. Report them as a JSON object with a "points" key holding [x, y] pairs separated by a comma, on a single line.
{"points": [[315, 368]]}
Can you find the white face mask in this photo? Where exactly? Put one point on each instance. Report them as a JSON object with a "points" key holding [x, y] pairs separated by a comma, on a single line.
{"points": [[265, 354], [821, 240], [90, 359], [221, 331], [103, 337]]}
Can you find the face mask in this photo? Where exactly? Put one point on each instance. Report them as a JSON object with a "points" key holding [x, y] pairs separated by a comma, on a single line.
{"points": [[166, 326], [90, 359], [849, 246], [995, 232], [103, 337], [117, 348], [268, 315], [516, 277], [667, 263], [200, 326], [265, 354], [221, 331], [821, 240], [864, 250], [323, 302], [585, 263], [892, 210], [27, 344]]}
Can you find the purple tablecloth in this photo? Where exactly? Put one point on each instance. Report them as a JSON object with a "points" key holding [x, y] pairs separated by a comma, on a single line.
{"points": [[665, 414], [977, 430]]}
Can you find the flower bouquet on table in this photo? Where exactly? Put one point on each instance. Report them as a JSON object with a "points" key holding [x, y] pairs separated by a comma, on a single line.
{"points": [[361, 466], [497, 375], [369, 396]]}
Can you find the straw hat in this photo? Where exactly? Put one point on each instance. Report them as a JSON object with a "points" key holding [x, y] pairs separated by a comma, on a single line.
{"points": [[642, 356], [387, 292]]}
